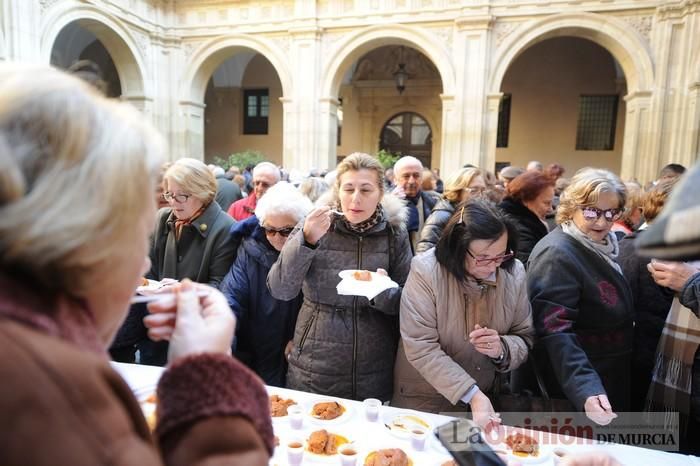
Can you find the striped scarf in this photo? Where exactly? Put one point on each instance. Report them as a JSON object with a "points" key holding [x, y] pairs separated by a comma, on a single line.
{"points": [[673, 369]]}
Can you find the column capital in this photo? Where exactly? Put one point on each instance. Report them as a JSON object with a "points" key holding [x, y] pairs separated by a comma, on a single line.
{"points": [[473, 23]]}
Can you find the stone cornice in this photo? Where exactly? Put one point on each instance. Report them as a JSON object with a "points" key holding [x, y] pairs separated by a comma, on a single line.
{"points": [[678, 11], [468, 23]]}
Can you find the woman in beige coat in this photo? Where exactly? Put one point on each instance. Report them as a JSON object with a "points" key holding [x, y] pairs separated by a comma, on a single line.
{"points": [[464, 315]]}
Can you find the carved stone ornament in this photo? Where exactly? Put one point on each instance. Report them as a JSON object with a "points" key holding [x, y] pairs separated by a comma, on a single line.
{"points": [[282, 42], [502, 30], [642, 24], [445, 35], [188, 49], [46, 4]]}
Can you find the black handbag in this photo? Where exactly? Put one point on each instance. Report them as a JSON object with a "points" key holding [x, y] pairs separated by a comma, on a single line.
{"points": [[526, 401]]}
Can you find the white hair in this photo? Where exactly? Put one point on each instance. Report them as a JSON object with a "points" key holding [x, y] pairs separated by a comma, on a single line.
{"points": [[406, 160], [267, 166], [217, 171], [78, 170], [283, 199]]}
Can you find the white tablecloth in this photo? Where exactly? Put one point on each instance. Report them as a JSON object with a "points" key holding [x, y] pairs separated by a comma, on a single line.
{"points": [[369, 436]]}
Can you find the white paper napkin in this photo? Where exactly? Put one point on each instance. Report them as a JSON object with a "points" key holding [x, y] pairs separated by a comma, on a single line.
{"points": [[351, 287]]}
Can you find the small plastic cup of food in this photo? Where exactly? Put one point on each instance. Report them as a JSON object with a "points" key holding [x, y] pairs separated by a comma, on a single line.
{"points": [[347, 454], [296, 416], [418, 438], [295, 451], [372, 406]]}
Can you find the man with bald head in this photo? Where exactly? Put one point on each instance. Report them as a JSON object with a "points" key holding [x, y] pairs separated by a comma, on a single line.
{"points": [[408, 176], [265, 175]]}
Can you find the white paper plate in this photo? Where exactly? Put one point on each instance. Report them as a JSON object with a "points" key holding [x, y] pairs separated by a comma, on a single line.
{"points": [[352, 287], [347, 413], [402, 423], [152, 286]]}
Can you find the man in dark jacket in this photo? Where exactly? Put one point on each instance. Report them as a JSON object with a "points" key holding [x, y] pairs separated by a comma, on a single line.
{"points": [[408, 172], [227, 192], [675, 236]]}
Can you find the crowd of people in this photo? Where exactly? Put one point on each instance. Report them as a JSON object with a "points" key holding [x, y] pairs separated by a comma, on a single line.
{"points": [[248, 263]]}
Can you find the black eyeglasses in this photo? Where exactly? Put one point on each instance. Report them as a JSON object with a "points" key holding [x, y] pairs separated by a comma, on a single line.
{"points": [[179, 198], [284, 232], [591, 214], [498, 260]]}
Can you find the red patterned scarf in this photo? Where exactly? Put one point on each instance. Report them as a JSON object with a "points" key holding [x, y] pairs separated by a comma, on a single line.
{"points": [[180, 224]]}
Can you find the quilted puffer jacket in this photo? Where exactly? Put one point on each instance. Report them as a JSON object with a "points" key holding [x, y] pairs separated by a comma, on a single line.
{"points": [[344, 345]]}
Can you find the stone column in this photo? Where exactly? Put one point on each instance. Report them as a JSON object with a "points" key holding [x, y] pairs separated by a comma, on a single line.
{"points": [[449, 154], [472, 68], [191, 132], [304, 147], [493, 103], [693, 154], [638, 158], [328, 132]]}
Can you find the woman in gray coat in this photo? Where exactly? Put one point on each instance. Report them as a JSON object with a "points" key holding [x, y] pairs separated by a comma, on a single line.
{"points": [[345, 345]]}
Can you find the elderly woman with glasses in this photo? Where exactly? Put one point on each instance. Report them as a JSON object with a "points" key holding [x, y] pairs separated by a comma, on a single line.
{"points": [[191, 236], [465, 315], [265, 324], [581, 303], [460, 186]]}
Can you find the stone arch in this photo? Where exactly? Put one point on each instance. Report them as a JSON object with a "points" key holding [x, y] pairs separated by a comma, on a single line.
{"points": [[623, 43], [203, 62], [116, 37], [206, 58], [364, 40]]}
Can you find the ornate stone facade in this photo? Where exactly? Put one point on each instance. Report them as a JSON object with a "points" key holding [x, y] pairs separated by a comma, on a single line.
{"points": [[312, 43]]}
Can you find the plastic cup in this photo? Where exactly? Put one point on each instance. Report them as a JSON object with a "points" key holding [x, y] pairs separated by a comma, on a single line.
{"points": [[372, 406], [296, 416], [348, 455], [418, 438], [295, 451]]}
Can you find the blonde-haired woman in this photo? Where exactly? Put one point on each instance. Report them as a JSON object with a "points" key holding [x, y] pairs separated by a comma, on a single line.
{"points": [[191, 236], [581, 303], [632, 215], [345, 345], [464, 184], [77, 183]]}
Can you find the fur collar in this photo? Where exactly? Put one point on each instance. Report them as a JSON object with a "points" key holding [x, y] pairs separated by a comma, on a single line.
{"points": [[395, 210]]}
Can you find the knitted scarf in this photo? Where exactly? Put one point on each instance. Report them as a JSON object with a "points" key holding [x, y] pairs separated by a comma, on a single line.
{"points": [[607, 250], [366, 225], [673, 369]]}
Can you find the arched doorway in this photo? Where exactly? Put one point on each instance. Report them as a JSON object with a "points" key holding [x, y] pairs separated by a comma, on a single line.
{"points": [[199, 79], [367, 96], [639, 154], [76, 43], [243, 111], [563, 103], [374, 102], [408, 133]]}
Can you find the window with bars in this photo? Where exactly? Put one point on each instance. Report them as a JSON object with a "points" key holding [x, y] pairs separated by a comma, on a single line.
{"points": [[256, 110], [503, 121], [597, 115]]}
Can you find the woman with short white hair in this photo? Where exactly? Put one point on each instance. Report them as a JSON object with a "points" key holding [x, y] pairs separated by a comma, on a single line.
{"points": [[76, 209], [582, 305], [265, 324]]}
